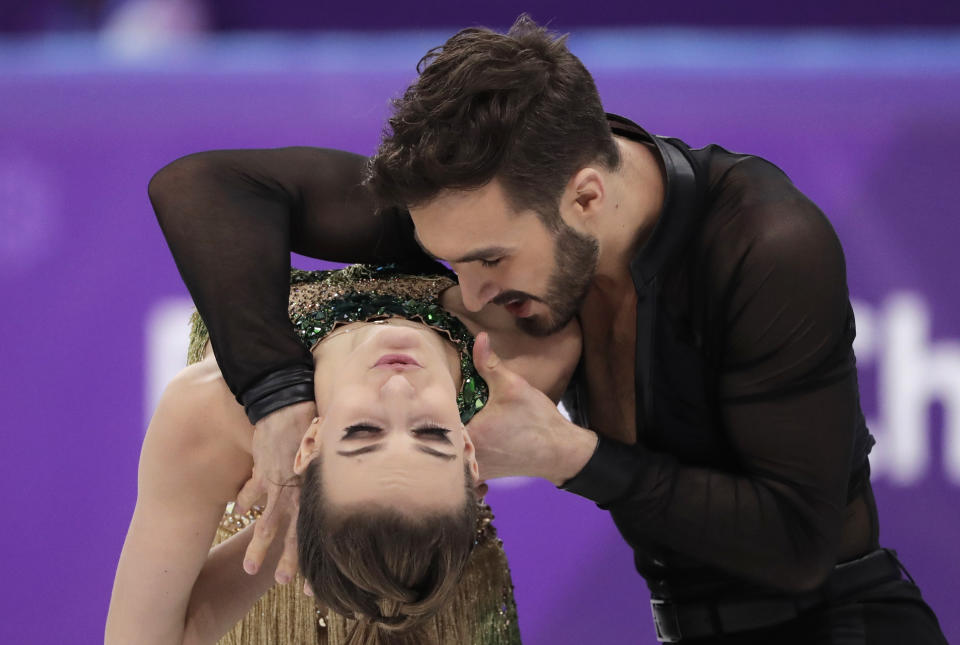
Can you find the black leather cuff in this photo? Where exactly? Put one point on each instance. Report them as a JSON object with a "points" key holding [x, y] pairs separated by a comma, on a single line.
{"points": [[277, 390], [608, 473]]}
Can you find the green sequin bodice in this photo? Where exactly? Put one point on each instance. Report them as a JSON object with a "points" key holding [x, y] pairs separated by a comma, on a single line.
{"points": [[321, 301]]}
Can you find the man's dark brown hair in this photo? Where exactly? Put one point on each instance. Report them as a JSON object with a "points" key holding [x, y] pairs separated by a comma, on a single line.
{"points": [[518, 107], [387, 569]]}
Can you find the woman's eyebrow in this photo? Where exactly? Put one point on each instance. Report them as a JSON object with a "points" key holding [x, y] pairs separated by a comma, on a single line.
{"points": [[435, 453], [377, 446], [361, 451]]}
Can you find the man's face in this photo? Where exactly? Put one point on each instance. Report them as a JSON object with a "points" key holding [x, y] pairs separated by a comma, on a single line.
{"points": [[511, 259]]}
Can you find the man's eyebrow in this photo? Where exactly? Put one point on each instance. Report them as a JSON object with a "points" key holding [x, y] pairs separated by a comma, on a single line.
{"points": [[486, 253], [416, 238], [377, 446]]}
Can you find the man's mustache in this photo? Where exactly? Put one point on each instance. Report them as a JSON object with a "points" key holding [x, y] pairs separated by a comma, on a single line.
{"points": [[513, 296]]}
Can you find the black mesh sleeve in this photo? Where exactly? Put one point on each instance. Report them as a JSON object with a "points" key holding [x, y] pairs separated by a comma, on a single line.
{"points": [[788, 407], [231, 219]]}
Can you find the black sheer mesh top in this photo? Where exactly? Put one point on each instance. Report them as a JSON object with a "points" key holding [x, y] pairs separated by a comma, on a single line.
{"points": [[750, 471]]}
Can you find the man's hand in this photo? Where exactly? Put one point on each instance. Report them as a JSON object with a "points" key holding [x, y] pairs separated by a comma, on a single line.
{"points": [[520, 432], [275, 441]]}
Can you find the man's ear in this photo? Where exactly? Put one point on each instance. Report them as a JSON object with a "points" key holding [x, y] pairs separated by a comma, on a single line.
{"points": [[309, 446], [583, 197]]}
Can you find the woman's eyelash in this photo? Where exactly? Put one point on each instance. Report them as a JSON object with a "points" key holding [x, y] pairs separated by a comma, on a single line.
{"points": [[360, 427], [432, 430], [436, 431], [490, 263]]}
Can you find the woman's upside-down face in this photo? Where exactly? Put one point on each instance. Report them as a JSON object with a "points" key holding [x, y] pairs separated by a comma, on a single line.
{"points": [[389, 431]]}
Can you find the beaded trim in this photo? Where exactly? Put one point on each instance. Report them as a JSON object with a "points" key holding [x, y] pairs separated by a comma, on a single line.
{"points": [[360, 306]]}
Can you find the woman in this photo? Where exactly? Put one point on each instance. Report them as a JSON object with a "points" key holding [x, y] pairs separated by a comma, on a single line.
{"points": [[388, 520]]}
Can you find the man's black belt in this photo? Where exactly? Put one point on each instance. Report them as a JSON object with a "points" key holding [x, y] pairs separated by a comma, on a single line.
{"points": [[698, 619]]}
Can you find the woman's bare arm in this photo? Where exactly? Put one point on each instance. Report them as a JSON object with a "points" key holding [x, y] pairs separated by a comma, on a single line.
{"points": [[170, 586], [223, 592]]}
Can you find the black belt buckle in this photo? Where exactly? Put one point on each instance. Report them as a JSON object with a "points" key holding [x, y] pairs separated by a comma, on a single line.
{"points": [[666, 621]]}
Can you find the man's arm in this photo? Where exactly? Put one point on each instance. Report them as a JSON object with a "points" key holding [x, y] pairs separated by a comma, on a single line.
{"points": [[788, 407], [231, 219]]}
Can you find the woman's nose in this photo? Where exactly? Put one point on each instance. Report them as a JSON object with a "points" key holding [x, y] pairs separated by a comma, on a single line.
{"points": [[397, 385], [397, 337]]}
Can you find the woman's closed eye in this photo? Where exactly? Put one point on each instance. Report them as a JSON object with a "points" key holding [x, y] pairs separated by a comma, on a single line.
{"points": [[427, 432], [432, 432], [361, 430]]}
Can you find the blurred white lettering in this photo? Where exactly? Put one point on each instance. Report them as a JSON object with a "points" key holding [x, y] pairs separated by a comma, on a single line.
{"points": [[167, 336], [913, 373]]}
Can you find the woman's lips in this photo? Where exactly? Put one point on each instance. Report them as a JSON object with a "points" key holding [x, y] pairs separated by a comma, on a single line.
{"points": [[397, 362]]}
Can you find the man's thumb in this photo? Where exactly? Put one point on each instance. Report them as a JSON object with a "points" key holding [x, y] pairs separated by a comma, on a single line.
{"points": [[484, 358]]}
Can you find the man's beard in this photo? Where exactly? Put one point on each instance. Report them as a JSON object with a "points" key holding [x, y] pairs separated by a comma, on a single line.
{"points": [[575, 257]]}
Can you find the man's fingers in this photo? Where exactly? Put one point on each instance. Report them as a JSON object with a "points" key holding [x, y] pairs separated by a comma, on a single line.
{"points": [[484, 358], [263, 532], [287, 567], [491, 368], [249, 495]]}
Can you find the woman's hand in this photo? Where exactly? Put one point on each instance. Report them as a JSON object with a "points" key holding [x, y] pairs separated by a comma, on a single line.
{"points": [[275, 441], [520, 431]]}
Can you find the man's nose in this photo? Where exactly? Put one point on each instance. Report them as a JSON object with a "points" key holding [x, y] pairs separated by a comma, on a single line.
{"points": [[476, 293]]}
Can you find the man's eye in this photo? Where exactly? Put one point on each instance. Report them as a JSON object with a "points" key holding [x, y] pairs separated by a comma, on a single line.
{"points": [[490, 263]]}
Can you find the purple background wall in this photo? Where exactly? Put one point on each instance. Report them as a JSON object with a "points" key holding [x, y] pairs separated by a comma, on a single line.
{"points": [[248, 14], [869, 127], [303, 15]]}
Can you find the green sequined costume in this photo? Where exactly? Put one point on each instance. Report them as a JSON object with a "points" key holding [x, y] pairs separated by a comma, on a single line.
{"points": [[482, 611]]}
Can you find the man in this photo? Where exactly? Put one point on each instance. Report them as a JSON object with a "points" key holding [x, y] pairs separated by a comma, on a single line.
{"points": [[716, 401]]}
